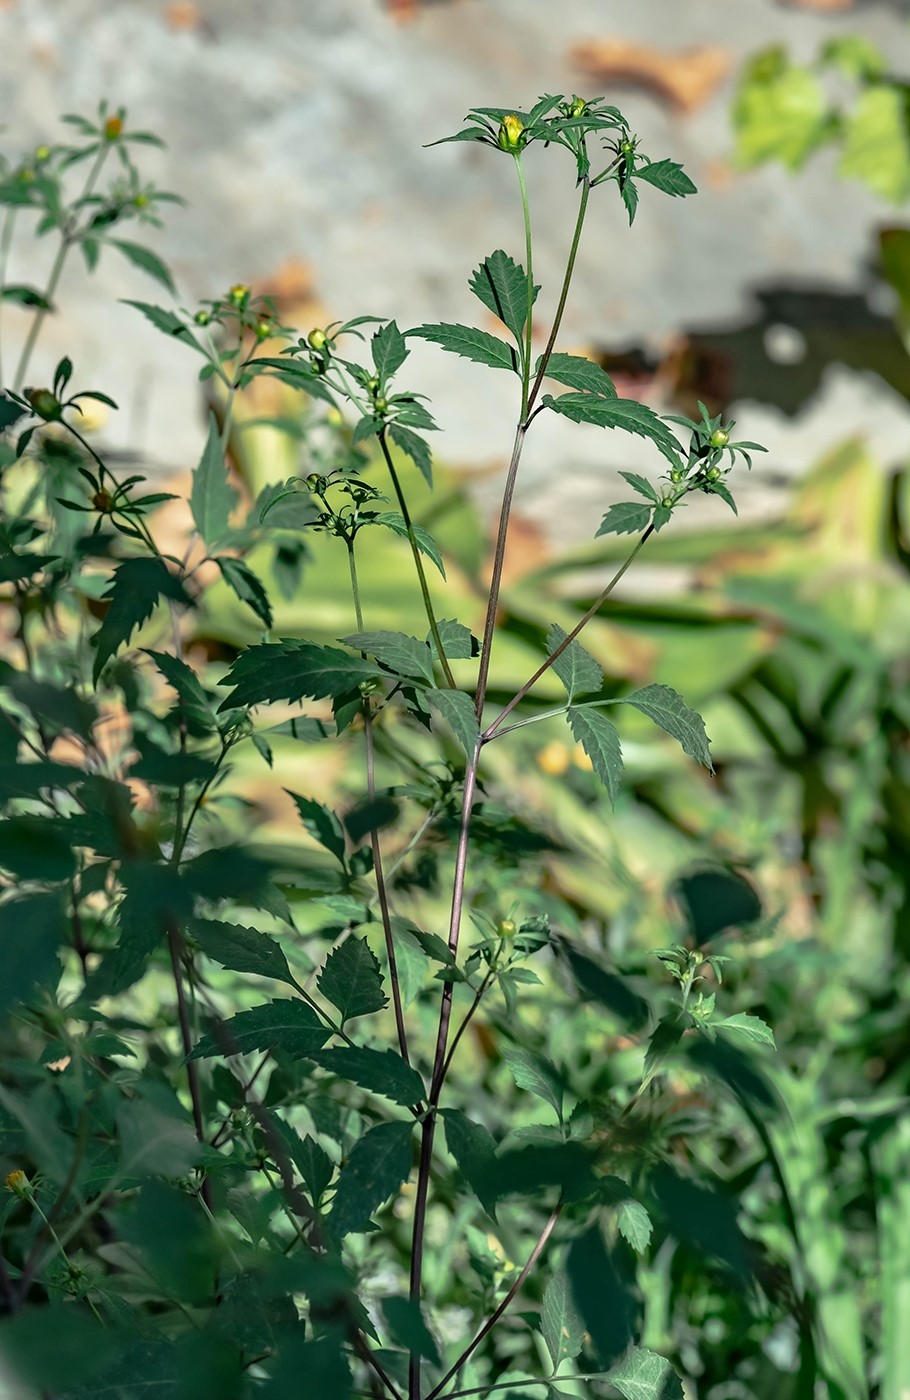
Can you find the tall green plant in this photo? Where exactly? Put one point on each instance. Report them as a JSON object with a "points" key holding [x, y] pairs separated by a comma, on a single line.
{"points": [[234, 1213]]}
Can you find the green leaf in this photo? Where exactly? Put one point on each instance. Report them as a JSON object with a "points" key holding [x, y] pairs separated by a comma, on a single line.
{"points": [[425, 542], [155, 1139], [241, 580], [389, 350], [666, 175], [877, 143], [604, 1302], [629, 191], [352, 980], [579, 373], [752, 1029], [628, 415], [537, 1075], [625, 518], [81, 1348], [212, 497], [322, 824], [163, 320], [666, 708], [145, 259], [600, 741], [25, 296], [576, 668], [378, 1071], [502, 286], [32, 930], [780, 112], [194, 703], [614, 993], [241, 949], [642, 486], [404, 655], [634, 1224], [457, 709], [408, 1329], [379, 1163], [312, 1161], [475, 1153], [458, 642], [472, 344], [284, 1025], [292, 670], [644, 1375], [563, 1329], [134, 590], [414, 446]]}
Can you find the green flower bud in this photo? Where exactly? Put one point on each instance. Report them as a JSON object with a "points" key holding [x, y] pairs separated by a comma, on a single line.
{"points": [[18, 1183], [45, 404], [317, 340], [627, 147], [677, 475], [369, 687], [314, 481], [381, 405], [715, 474], [42, 153], [112, 128], [239, 294], [512, 134], [263, 330], [578, 107], [202, 318], [719, 438], [506, 928]]}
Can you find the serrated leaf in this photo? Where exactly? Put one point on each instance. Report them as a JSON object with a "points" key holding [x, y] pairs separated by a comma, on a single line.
{"points": [[600, 741], [249, 589], [408, 1329], [457, 709], [628, 415], [502, 286], [579, 373], [458, 642], [352, 980], [241, 949], [749, 1028], [145, 259], [322, 824], [537, 1075], [292, 670], [629, 192], [285, 1025], [666, 175], [644, 1375], [134, 590], [576, 668], [625, 518], [634, 1224], [163, 320], [475, 1153], [389, 350], [379, 1163], [665, 1036], [404, 655], [641, 485], [471, 344], [563, 1329], [780, 113], [414, 446], [194, 703], [312, 1161], [378, 1071], [425, 542], [212, 497], [666, 708]]}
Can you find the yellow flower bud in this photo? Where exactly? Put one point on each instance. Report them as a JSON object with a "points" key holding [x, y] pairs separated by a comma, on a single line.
{"points": [[42, 153], [239, 294], [112, 128], [18, 1183], [512, 134], [317, 339]]}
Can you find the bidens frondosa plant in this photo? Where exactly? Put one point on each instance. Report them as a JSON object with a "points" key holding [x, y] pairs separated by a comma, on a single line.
{"points": [[308, 1196]]}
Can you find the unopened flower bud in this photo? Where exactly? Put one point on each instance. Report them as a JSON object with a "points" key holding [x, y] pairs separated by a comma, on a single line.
{"points": [[112, 128], [42, 153], [45, 404], [263, 330], [715, 474], [512, 134], [239, 294], [506, 928], [579, 107], [202, 318], [18, 1183], [381, 404], [317, 339], [719, 438], [314, 481], [102, 501]]}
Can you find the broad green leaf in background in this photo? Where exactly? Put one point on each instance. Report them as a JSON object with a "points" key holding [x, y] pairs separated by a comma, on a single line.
{"points": [[562, 1328], [577, 372], [293, 670], [666, 708], [751, 1029], [378, 1071], [780, 113], [475, 1153], [212, 498], [626, 414], [644, 1375], [576, 668], [404, 655], [457, 709], [134, 590], [877, 143], [634, 1224], [407, 1327], [241, 949], [537, 1075]]}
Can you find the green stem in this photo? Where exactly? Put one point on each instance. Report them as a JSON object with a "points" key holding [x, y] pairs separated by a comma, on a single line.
{"points": [[491, 731], [563, 295], [381, 892], [526, 213], [6, 238], [68, 237], [418, 562]]}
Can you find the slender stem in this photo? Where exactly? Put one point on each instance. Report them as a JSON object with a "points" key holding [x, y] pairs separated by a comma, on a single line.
{"points": [[6, 238], [468, 1016], [557, 320], [186, 1037], [526, 214], [381, 892], [494, 1317], [491, 731], [513, 1385], [498, 563], [68, 236], [418, 562]]}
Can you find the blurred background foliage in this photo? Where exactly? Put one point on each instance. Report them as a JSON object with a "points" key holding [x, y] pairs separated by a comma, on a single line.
{"points": [[791, 637]]}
